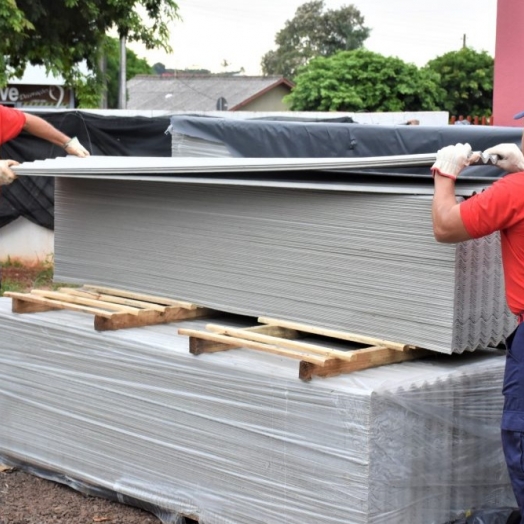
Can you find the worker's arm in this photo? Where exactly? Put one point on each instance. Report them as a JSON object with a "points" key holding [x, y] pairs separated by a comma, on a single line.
{"points": [[39, 127], [447, 222], [6, 173]]}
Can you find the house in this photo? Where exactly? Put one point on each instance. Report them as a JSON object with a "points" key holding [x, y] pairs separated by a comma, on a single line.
{"points": [[208, 93]]}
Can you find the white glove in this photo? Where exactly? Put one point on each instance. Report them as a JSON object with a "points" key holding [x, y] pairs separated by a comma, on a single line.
{"points": [[74, 147], [6, 174], [451, 160], [511, 157]]}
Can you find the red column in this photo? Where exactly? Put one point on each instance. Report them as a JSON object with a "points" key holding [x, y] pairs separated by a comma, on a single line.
{"points": [[508, 87]]}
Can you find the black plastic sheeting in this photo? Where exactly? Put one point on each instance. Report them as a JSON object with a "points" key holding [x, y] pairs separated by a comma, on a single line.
{"points": [[331, 138], [33, 197]]}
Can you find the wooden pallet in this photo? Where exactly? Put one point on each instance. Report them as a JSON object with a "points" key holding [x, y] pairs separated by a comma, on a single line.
{"points": [[279, 337], [112, 308]]}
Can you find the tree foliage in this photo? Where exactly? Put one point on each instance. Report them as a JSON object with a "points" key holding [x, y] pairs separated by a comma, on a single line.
{"points": [[467, 78], [159, 68], [314, 32], [63, 34], [361, 80]]}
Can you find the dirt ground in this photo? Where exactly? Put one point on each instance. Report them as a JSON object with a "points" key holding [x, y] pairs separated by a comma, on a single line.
{"points": [[28, 499]]}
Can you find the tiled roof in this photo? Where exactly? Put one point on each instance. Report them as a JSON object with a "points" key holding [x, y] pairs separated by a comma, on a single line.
{"points": [[197, 92]]}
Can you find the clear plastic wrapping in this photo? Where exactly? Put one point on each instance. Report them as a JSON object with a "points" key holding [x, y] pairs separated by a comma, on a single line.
{"points": [[235, 437]]}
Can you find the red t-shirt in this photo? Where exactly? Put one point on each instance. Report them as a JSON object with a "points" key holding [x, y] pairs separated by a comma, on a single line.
{"points": [[11, 123], [501, 208]]}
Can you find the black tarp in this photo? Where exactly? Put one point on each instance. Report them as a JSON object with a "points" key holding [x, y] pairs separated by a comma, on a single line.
{"points": [[33, 197], [267, 138]]}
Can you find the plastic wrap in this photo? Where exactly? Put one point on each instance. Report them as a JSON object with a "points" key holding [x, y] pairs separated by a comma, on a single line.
{"points": [[235, 436]]}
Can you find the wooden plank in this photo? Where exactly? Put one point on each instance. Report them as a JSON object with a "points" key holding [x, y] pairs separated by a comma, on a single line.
{"points": [[141, 296], [275, 331], [198, 346], [364, 359], [277, 341], [149, 318], [342, 335], [111, 298], [62, 297], [55, 304], [20, 305], [233, 342]]}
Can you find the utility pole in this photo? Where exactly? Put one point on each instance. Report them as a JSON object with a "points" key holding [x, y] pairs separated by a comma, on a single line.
{"points": [[122, 102], [102, 66], [464, 41]]}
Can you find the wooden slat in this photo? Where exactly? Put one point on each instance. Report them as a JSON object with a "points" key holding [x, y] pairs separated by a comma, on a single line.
{"points": [[233, 342], [150, 317], [341, 335], [21, 305], [62, 297], [364, 359], [141, 296], [79, 292], [198, 346], [275, 331], [277, 341], [51, 304]]}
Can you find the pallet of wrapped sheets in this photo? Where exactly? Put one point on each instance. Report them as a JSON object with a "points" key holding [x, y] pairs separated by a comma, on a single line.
{"points": [[356, 258], [234, 437]]}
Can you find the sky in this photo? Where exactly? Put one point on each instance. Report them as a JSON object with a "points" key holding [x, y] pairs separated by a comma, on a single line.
{"points": [[240, 32]]}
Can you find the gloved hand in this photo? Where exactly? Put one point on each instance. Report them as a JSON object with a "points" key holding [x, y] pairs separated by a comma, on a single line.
{"points": [[6, 173], [511, 157], [451, 160], [74, 147]]}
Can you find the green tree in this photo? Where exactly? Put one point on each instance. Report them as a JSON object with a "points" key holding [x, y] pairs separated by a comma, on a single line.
{"points": [[134, 66], [314, 32], [64, 34], [361, 80], [159, 68], [467, 77]]}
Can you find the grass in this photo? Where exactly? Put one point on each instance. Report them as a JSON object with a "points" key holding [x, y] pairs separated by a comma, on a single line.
{"points": [[10, 262], [18, 276], [12, 285]]}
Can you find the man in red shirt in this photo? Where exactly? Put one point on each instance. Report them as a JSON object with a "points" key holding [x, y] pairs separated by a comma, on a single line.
{"points": [[499, 208], [13, 121]]}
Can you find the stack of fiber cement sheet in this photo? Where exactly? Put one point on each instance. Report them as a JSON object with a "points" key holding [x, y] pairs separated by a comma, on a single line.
{"points": [[235, 437], [363, 262]]}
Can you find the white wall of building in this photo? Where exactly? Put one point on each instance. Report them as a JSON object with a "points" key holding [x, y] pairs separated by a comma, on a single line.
{"points": [[22, 240]]}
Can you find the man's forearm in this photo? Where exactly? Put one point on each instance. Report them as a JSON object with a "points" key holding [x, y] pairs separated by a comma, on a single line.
{"points": [[39, 127], [447, 222]]}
